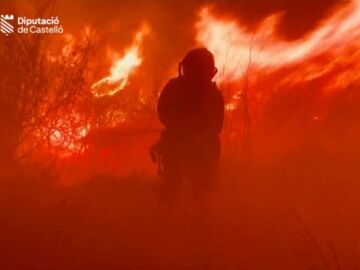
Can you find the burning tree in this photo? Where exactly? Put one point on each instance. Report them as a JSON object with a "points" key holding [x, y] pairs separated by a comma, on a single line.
{"points": [[49, 97], [55, 95], [41, 94]]}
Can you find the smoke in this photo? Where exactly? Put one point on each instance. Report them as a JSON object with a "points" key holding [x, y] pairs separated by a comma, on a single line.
{"points": [[291, 69], [290, 139]]}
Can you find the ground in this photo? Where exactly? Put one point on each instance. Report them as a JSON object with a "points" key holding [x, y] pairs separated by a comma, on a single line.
{"points": [[296, 213]]}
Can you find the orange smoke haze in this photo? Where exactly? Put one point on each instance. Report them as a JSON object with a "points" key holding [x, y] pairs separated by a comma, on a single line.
{"points": [[78, 117], [257, 66]]}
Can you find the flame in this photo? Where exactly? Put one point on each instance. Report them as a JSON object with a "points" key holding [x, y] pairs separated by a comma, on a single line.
{"points": [[122, 67], [235, 48], [67, 133]]}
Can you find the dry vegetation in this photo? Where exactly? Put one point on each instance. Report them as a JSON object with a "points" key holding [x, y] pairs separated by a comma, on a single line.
{"points": [[291, 204]]}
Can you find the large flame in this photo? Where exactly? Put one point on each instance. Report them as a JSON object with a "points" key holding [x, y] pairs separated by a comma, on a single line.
{"points": [[235, 48], [122, 68]]}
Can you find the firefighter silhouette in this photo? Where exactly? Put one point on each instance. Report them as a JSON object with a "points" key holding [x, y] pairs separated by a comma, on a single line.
{"points": [[191, 108]]}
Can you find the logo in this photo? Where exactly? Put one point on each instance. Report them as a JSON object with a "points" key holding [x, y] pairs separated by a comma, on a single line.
{"points": [[5, 26], [23, 25]]}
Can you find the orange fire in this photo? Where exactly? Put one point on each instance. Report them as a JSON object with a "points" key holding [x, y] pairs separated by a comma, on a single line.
{"points": [[67, 133], [235, 48], [122, 67]]}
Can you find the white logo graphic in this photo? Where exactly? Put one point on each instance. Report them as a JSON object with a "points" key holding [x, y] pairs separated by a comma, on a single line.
{"points": [[5, 26]]}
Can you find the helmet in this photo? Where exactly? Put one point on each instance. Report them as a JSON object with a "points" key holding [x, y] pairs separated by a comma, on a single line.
{"points": [[198, 64]]}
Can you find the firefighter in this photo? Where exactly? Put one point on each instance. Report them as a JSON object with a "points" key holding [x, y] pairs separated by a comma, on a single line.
{"points": [[191, 108]]}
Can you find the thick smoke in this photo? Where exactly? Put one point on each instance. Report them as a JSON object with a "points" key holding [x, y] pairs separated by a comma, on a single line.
{"points": [[288, 191]]}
